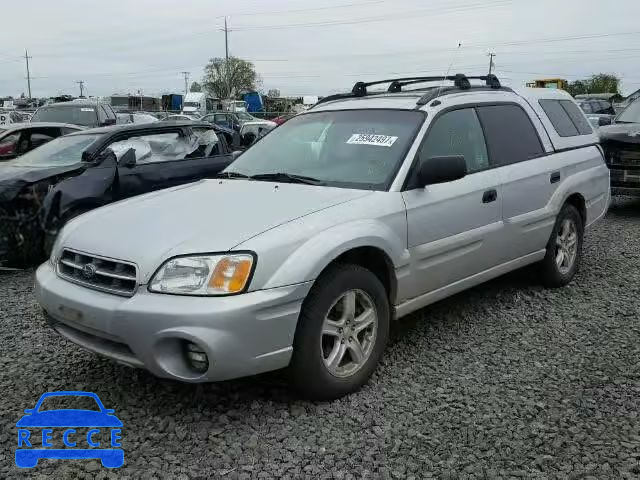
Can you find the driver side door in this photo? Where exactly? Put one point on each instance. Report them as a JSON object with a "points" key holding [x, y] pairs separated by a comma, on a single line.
{"points": [[169, 158], [454, 228]]}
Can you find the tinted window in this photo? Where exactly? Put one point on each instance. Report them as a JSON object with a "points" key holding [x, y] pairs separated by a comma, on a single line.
{"points": [[559, 118], [577, 117], [76, 115], [511, 137], [457, 133]]}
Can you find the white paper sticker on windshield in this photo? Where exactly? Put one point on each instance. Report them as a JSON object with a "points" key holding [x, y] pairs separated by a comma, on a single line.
{"points": [[366, 139], [87, 110]]}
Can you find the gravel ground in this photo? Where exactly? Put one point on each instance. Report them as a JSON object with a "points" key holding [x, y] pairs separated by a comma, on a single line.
{"points": [[508, 380]]}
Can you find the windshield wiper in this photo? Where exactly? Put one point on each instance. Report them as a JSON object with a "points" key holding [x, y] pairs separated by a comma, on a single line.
{"points": [[287, 177], [231, 175]]}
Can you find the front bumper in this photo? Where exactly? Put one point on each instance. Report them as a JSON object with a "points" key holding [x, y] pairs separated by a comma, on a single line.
{"points": [[242, 335]]}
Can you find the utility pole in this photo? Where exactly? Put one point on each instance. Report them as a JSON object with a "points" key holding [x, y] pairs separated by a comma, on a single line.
{"points": [[81, 83], [186, 82], [226, 50], [491, 64], [27, 57]]}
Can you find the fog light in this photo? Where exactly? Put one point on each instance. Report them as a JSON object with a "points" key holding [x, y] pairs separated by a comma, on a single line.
{"points": [[196, 358]]}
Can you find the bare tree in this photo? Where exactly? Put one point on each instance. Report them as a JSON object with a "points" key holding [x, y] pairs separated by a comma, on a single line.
{"points": [[226, 79]]}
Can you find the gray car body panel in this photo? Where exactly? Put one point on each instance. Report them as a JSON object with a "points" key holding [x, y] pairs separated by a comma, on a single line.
{"points": [[440, 240]]}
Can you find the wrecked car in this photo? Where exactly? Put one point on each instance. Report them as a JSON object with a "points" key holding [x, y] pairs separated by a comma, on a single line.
{"points": [[18, 139], [42, 190], [621, 143]]}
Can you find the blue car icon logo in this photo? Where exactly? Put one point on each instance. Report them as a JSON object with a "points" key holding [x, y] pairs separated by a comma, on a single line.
{"points": [[82, 432]]}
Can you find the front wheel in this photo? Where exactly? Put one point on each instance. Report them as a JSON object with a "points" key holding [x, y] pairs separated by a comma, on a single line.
{"points": [[564, 249], [341, 335]]}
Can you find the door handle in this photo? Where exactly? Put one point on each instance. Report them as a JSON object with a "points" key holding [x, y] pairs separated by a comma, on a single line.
{"points": [[555, 177], [489, 196]]}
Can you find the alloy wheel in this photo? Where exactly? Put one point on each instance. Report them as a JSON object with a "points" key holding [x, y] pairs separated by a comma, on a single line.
{"points": [[349, 333], [566, 246]]}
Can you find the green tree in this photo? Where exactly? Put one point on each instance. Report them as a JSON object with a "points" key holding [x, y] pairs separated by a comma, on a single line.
{"points": [[600, 83], [195, 87], [226, 79]]}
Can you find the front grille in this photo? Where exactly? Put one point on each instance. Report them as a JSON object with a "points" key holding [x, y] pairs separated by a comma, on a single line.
{"points": [[99, 273]]}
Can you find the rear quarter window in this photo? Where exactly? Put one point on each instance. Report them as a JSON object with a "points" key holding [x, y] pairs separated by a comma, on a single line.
{"points": [[566, 117], [577, 117]]}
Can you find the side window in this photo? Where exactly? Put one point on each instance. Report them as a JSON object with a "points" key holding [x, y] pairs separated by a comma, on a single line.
{"points": [[102, 115], [208, 143], [577, 117], [586, 107], [109, 111], [157, 148], [559, 118], [511, 137], [457, 133], [42, 136]]}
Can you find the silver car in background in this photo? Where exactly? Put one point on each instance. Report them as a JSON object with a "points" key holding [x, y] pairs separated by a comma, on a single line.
{"points": [[364, 209]]}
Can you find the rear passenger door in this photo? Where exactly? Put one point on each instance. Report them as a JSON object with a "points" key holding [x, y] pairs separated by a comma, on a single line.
{"points": [[529, 176], [454, 228]]}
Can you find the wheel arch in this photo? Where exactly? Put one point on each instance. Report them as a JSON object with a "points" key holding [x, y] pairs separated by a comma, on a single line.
{"points": [[578, 201]]}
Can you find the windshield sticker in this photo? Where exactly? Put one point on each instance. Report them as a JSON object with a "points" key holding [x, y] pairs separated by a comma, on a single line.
{"points": [[378, 140], [87, 110]]}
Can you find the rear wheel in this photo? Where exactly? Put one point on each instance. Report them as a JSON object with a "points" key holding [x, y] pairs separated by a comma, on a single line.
{"points": [[342, 331], [564, 249]]}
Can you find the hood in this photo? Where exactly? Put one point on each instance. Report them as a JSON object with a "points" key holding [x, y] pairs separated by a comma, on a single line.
{"points": [[621, 132], [208, 216], [14, 178], [69, 418]]}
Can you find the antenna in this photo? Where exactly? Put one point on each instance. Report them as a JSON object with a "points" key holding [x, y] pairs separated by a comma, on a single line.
{"points": [[455, 55]]}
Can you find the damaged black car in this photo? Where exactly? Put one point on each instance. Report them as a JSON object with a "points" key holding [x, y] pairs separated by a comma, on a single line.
{"points": [[621, 143], [45, 188]]}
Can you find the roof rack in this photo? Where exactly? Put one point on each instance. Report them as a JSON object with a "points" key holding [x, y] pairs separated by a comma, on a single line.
{"points": [[460, 82]]}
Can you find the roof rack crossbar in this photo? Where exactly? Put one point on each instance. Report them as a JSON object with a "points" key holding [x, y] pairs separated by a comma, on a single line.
{"points": [[460, 81]]}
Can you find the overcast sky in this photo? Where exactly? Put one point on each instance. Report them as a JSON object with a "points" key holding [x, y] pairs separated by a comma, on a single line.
{"points": [[312, 47]]}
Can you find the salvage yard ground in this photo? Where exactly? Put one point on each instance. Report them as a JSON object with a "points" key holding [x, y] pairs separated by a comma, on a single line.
{"points": [[506, 380]]}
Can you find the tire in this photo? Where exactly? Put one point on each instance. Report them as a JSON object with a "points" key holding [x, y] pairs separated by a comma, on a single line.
{"points": [[554, 273], [325, 309]]}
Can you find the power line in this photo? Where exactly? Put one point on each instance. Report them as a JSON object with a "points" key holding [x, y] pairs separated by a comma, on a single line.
{"points": [[383, 18], [299, 10]]}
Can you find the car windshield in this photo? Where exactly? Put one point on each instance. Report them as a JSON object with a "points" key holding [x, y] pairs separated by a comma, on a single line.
{"points": [[60, 152], [349, 148], [631, 114], [69, 402], [77, 115]]}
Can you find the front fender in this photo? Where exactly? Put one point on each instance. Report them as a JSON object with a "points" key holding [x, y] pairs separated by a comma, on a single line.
{"points": [[307, 261]]}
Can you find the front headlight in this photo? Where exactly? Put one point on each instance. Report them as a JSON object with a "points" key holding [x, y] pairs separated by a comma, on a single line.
{"points": [[204, 275]]}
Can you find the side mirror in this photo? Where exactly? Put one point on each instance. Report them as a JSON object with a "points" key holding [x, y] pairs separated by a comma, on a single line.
{"points": [[128, 160], [602, 121], [442, 169], [235, 155], [109, 121]]}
